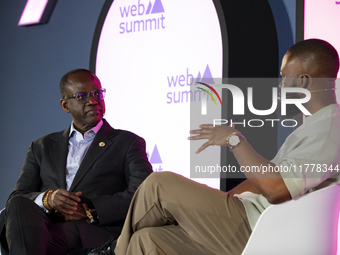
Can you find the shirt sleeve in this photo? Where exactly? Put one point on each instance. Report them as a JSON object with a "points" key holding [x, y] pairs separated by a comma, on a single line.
{"points": [[39, 202], [309, 163]]}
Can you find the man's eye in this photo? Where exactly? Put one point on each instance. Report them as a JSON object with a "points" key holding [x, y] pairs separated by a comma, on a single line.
{"points": [[81, 96]]}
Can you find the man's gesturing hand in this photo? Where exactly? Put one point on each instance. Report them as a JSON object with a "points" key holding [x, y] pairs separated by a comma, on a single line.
{"points": [[64, 201], [216, 135]]}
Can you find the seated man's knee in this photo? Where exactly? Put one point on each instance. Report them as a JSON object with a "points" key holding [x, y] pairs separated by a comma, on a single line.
{"points": [[19, 204], [161, 178]]}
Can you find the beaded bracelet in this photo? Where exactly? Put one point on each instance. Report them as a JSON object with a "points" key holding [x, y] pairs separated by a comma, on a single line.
{"points": [[45, 199]]}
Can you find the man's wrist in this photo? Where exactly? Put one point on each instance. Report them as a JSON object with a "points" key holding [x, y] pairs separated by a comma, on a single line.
{"points": [[45, 199], [234, 139]]}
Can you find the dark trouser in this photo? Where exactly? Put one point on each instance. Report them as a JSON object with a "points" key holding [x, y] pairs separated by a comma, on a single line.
{"points": [[29, 230]]}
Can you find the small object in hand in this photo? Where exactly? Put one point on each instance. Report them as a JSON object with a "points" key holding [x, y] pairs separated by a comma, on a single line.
{"points": [[88, 213]]}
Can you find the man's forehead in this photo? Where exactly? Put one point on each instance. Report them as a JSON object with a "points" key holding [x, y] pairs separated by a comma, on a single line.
{"points": [[82, 80], [292, 63], [82, 77], [284, 61]]}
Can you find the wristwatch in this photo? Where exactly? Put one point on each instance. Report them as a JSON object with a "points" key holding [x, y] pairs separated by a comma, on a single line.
{"points": [[234, 139]]}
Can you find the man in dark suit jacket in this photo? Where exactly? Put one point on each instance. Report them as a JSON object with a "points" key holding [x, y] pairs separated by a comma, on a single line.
{"points": [[89, 165]]}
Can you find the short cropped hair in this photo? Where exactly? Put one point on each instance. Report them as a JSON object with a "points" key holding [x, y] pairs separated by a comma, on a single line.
{"points": [[64, 80], [318, 54]]}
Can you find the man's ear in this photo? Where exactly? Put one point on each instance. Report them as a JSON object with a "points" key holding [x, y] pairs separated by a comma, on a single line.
{"points": [[63, 104], [305, 81]]}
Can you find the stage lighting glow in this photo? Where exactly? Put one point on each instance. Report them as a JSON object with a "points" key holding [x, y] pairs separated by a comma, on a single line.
{"points": [[33, 11]]}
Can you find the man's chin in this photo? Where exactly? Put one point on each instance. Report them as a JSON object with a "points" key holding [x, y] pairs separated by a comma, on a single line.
{"points": [[94, 119]]}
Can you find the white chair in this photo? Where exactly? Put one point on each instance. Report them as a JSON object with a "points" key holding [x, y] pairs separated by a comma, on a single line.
{"points": [[306, 226]]}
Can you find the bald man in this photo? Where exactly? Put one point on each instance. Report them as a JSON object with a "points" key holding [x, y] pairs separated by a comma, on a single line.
{"points": [[170, 214]]}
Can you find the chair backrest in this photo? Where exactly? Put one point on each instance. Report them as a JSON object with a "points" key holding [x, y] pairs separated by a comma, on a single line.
{"points": [[306, 226], [2, 222]]}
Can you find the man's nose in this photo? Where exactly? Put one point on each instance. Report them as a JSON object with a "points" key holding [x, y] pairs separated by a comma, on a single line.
{"points": [[91, 99]]}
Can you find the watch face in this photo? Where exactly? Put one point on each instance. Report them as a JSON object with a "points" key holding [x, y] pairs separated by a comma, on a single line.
{"points": [[234, 140]]}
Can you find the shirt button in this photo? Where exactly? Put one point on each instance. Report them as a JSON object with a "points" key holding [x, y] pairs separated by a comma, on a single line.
{"points": [[77, 158], [81, 145]]}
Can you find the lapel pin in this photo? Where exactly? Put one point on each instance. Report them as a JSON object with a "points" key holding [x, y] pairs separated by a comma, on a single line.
{"points": [[101, 144]]}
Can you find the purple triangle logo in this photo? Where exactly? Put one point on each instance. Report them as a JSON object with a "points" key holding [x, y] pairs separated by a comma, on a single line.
{"points": [[155, 157], [207, 76], [157, 7], [149, 8]]}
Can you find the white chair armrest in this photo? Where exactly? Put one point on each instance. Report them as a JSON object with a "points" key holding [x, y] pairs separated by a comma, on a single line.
{"points": [[306, 226]]}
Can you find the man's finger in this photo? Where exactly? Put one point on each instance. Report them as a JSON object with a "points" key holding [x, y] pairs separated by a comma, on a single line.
{"points": [[68, 194], [196, 131], [65, 202], [63, 206], [199, 137], [203, 147], [209, 126], [201, 131], [78, 193], [74, 197], [65, 210]]}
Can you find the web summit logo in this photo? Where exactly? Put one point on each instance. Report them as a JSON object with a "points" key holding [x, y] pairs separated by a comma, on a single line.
{"points": [[180, 90], [155, 160], [140, 17]]}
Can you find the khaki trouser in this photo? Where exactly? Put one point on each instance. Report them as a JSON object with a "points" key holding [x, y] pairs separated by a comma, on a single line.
{"points": [[170, 214]]}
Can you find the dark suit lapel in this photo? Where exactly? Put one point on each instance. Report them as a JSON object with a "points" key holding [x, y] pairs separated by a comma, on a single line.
{"points": [[58, 150], [101, 143]]}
